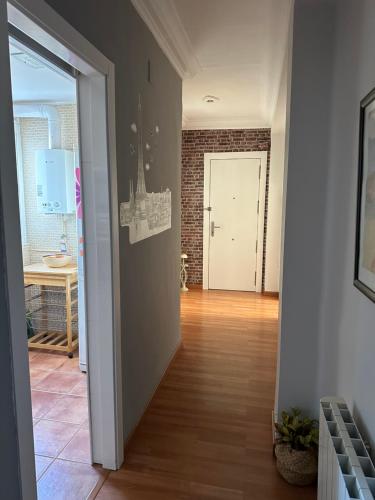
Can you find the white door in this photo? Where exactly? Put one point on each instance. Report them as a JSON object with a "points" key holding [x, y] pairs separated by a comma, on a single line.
{"points": [[233, 223]]}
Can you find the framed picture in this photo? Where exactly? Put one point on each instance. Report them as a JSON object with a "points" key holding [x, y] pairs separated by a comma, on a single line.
{"points": [[364, 275]]}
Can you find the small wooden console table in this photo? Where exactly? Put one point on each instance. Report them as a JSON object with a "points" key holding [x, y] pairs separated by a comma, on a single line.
{"points": [[50, 305]]}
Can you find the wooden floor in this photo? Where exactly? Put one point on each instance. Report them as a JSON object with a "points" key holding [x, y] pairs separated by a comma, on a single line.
{"points": [[207, 432]]}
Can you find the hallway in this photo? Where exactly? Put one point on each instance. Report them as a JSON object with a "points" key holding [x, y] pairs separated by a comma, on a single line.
{"points": [[207, 432]]}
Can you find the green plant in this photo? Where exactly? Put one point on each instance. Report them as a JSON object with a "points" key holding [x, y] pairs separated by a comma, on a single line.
{"points": [[29, 323], [300, 432]]}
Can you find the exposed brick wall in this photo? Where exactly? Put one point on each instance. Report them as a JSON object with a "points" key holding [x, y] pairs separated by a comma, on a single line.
{"points": [[194, 144]]}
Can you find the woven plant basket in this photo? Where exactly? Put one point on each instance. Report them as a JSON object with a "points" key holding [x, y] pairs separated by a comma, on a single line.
{"points": [[296, 467]]}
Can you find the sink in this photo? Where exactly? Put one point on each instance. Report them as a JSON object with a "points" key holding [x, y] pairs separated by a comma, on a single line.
{"points": [[57, 260]]}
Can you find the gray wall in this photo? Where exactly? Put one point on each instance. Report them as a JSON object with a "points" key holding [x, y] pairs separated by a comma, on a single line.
{"points": [[9, 458], [328, 334], [348, 318], [305, 210], [150, 268]]}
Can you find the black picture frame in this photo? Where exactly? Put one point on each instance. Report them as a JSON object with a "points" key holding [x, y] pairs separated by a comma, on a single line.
{"points": [[359, 282]]}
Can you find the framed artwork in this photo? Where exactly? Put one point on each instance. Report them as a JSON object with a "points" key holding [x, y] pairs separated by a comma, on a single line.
{"points": [[364, 274]]}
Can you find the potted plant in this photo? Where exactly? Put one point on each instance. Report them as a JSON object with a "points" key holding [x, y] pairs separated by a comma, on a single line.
{"points": [[29, 323], [296, 448]]}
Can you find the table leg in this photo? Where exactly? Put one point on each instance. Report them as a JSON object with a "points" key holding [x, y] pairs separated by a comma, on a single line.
{"points": [[69, 318]]}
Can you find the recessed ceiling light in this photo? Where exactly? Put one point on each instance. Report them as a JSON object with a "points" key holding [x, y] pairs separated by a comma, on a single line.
{"points": [[210, 99], [28, 60]]}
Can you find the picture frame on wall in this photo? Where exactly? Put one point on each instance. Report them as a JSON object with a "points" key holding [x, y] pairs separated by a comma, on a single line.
{"points": [[364, 273]]}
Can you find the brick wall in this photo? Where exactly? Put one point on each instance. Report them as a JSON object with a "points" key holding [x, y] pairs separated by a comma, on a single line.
{"points": [[194, 144]]}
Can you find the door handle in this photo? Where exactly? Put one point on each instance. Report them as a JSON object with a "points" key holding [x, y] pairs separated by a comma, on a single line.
{"points": [[213, 227]]}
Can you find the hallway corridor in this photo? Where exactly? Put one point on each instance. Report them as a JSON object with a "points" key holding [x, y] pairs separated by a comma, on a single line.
{"points": [[207, 433]]}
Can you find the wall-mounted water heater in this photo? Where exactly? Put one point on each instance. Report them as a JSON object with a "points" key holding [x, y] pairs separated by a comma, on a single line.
{"points": [[55, 181]]}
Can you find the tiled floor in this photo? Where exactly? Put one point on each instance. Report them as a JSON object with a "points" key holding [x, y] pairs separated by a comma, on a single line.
{"points": [[61, 429]]}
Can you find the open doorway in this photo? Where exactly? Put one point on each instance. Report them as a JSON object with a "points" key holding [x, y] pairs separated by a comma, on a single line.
{"points": [[44, 92], [45, 38]]}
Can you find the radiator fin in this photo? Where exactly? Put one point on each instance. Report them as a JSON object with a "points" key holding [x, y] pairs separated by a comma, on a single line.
{"points": [[346, 471]]}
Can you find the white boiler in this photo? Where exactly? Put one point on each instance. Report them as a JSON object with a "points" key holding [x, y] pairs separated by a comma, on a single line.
{"points": [[55, 181]]}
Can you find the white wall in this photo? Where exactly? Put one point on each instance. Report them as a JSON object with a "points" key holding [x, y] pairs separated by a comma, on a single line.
{"points": [[44, 231], [276, 181], [327, 343]]}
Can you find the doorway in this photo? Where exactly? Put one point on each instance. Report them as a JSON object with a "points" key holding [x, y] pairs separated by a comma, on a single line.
{"points": [[51, 220], [234, 198], [95, 88]]}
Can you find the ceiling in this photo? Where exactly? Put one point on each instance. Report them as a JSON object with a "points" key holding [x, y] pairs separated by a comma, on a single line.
{"points": [[231, 49], [35, 79]]}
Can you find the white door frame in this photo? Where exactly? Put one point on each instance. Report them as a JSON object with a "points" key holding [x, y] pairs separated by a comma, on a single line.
{"points": [[99, 192], [253, 155]]}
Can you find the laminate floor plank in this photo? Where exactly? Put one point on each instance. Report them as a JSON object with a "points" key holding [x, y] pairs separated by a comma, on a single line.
{"points": [[207, 433]]}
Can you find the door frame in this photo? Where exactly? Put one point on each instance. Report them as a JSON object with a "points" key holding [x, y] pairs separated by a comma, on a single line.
{"points": [[99, 192], [262, 156]]}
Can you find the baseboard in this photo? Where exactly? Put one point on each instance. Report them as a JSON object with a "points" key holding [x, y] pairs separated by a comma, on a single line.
{"points": [[195, 286], [274, 421], [171, 360], [271, 294], [274, 432]]}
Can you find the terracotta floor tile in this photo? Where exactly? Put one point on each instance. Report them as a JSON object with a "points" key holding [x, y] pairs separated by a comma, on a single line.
{"points": [[66, 480], [70, 365], [45, 361], [41, 465], [78, 450], [73, 409], [85, 424], [81, 388], [37, 375], [42, 402], [59, 382], [51, 437]]}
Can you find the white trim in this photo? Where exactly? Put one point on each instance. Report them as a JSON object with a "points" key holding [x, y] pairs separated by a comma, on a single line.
{"points": [[43, 24], [20, 179], [165, 24], [289, 62], [184, 120], [275, 66], [222, 123], [208, 157], [14, 273]]}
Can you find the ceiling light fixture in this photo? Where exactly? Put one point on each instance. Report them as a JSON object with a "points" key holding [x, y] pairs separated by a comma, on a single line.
{"points": [[27, 59], [210, 99]]}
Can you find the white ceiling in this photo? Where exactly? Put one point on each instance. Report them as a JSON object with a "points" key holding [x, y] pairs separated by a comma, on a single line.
{"points": [[232, 49], [34, 79]]}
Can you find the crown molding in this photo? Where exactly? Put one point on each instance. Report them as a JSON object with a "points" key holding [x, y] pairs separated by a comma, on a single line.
{"points": [[163, 21], [222, 123]]}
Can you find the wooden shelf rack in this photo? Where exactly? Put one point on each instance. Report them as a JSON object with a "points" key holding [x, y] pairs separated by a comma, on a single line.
{"points": [[52, 307]]}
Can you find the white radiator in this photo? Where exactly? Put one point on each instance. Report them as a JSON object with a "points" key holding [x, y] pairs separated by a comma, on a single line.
{"points": [[345, 468]]}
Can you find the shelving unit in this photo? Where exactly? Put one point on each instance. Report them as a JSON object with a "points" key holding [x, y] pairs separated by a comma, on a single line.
{"points": [[52, 307]]}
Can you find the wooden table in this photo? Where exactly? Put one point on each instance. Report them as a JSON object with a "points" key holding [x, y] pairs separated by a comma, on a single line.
{"points": [[48, 278]]}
